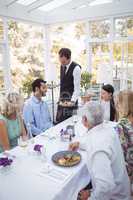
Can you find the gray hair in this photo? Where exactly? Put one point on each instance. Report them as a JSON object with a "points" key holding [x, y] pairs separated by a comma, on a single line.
{"points": [[94, 113]]}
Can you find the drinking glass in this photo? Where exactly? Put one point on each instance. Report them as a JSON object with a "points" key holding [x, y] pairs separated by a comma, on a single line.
{"points": [[22, 142]]}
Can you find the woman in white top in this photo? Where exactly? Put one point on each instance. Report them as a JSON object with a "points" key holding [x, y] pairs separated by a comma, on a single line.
{"points": [[107, 101], [105, 159]]}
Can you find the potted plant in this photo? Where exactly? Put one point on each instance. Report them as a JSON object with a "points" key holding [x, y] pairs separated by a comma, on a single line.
{"points": [[85, 85]]}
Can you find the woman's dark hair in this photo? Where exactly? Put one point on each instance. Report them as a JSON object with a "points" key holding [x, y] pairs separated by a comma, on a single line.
{"points": [[65, 52], [37, 83], [110, 89]]}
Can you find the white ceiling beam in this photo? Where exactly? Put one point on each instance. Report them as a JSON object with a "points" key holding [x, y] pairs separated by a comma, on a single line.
{"points": [[5, 2], [19, 12], [65, 13], [37, 4], [89, 12], [11, 3]]}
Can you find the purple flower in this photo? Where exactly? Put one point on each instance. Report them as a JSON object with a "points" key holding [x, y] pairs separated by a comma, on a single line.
{"points": [[38, 147], [63, 132], [5, 161]]}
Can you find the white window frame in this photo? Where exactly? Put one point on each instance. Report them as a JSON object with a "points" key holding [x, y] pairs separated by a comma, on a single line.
{"points": [[109, 40]]}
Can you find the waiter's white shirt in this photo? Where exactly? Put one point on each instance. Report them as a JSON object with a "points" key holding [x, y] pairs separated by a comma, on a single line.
{"points": [[106, 108], [77, 78], [106, 164]]}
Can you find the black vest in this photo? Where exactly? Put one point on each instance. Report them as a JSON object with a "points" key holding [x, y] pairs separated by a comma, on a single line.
{"points": [[67, 82]]}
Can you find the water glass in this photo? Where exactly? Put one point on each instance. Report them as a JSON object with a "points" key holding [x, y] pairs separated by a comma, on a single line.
{"points": [[22, 142]]}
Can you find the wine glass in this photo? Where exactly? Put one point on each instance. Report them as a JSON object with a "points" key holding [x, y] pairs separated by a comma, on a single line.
{"points": [[22, 142], [46, 166], [28, 126], [75, 120]]}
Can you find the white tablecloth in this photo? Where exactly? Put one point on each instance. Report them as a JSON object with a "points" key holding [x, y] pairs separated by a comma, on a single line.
{"points": [[24, 181]]}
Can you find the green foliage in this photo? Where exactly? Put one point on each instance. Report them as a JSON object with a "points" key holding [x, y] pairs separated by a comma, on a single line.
{"points": [[85, 80], [26, 88], [27, 53], [26, 84]]}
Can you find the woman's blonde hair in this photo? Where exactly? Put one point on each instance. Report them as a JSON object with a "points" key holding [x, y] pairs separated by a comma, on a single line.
{"points": [[125, 103], [11, 104]]}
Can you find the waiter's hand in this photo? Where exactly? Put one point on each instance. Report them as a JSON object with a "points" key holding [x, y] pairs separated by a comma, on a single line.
{"points": [[72, 103], [67, 103], [74, 146]]}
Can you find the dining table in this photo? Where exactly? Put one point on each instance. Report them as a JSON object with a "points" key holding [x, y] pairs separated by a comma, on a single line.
{"points": [[37, 177]]}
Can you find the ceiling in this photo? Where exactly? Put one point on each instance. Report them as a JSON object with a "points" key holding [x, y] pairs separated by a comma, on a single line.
{"points": [[56, 11]]}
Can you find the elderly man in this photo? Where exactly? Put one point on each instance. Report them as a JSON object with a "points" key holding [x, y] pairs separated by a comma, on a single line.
{"points": [[105, 158]]}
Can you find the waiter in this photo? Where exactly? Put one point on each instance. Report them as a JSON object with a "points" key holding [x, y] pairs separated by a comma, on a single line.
{"points": [[70, 75]]}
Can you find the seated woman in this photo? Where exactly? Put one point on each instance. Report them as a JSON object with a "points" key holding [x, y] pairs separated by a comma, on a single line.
{"points": [[125, 128], [107, 101], [11, 123], [105, 158]]}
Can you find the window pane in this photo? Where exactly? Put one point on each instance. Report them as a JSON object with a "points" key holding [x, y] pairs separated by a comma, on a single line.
{"points": [[117, 54], [1, 58], [120, 27], [100, 29], [130, 53], [123, 59], [117, 51], [100, 48], [1, 78], [27, 53], [1, 30], [71, 35], [100, 57], [130, 26], [26, 2], [1, 69]]}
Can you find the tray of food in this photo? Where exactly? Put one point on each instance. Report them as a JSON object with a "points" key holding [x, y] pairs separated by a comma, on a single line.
{"points": [[66, 158], [67, 104]]}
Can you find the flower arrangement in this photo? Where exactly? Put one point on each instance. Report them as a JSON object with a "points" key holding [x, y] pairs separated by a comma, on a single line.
{"points": [[5, 161], [38, 148], [65, 135]]}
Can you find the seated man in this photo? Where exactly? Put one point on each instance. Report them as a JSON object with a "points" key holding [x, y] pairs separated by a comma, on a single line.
{"points": [[105, 158], [35, 113]]}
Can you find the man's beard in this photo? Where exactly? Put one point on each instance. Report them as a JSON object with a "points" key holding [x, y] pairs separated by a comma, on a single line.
{"points": [[43, 94]]}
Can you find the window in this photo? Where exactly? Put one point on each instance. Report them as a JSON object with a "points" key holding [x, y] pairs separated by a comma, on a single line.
{"points": [[1, 69], [26, 2], [100, 57], [121, 47], [100, 29], [120, 27], [130, 26], [123, 60], [26, 51], [124, 27], [130, 53], [51, 5], [99, 2], [70, 35], [1, 30]]}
